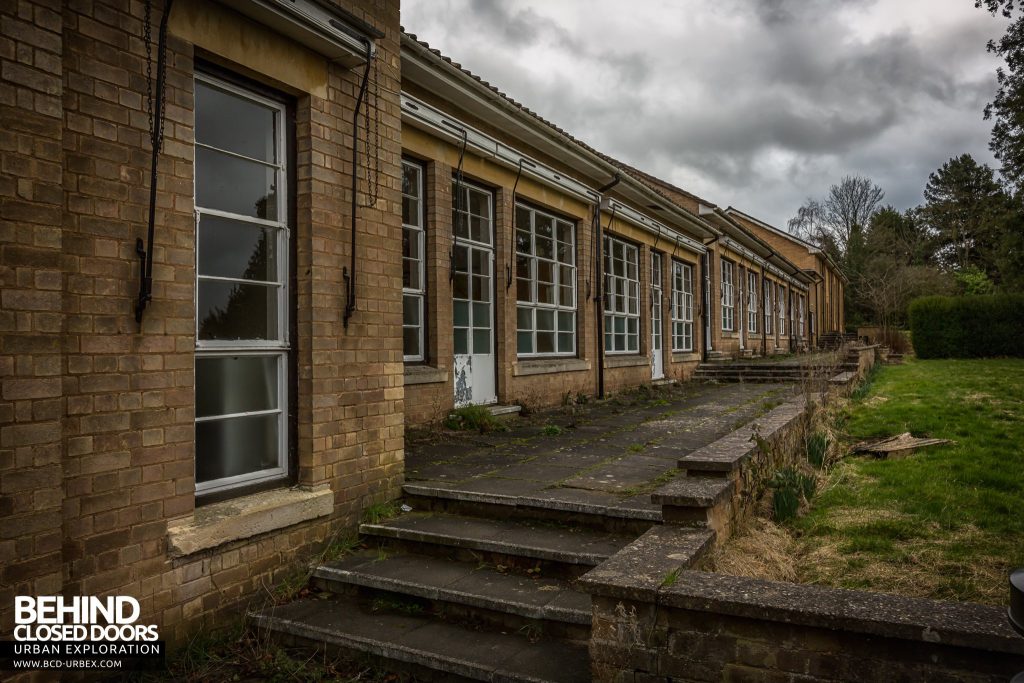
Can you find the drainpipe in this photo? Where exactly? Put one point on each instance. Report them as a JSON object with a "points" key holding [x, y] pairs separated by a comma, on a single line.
{"points": [[349, 274], [599, 285]]}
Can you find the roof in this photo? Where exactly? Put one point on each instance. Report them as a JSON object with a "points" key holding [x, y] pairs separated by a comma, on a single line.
{"points": [[812, 248]]}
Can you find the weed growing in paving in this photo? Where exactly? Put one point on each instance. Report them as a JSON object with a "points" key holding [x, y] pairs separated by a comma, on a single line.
{"points": [[670, 579], [379, 512], [474, 418], [551, 430]]}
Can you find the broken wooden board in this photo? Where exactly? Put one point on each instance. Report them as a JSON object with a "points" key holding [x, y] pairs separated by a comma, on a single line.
{"points": [[901, 442]]}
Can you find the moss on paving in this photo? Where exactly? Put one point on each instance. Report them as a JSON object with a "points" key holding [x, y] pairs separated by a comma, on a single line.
{"points": [[944, 522]]}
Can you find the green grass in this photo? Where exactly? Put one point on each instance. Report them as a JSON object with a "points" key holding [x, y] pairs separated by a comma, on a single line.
{"points": [[944, 522]]}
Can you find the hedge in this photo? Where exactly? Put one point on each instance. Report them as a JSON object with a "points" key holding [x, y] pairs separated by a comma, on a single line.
{"points": [[968, 326]]}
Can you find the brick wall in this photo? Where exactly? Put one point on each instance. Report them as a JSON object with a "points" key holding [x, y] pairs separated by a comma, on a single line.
{"points": [[31, 354], [96, 448]]}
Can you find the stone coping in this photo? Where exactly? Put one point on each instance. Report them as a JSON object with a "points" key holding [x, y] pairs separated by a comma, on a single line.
{"points": [[241, 518], [638, 571], [546, 366], [703, 492], [425, 374], [732, 450], [882, 614]]}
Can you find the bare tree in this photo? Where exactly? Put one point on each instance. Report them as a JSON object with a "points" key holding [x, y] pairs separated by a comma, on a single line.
{"points": [[834, 222]]}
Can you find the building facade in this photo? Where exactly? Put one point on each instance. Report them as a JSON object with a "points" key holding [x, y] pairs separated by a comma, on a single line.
{"points": [[350, 234]]}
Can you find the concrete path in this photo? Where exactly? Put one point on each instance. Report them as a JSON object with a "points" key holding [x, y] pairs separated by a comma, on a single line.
{"points": [[609, 462]]}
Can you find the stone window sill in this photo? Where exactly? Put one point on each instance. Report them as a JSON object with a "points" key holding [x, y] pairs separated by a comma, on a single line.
{"points": [[545, 366], [241, 518], [685, 356], [626, 361], [425, 374]]}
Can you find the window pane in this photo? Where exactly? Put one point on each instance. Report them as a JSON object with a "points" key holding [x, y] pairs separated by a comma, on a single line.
{"points": [[565, 296], [566, 322], [524, 342], [545, 247], [410, 211], [523, 218], [234, 123], [229, 248], [481, 315], [461, 314], [231, 310], [479, 203], [481, 341], [461, 339], [235, 384], [240, 445], [410, 310], [524, 318], [545, 320], [460, 286], [545, 342], [566, 342], [523, 245], [480, 292], [236, 185], [411, 341]]}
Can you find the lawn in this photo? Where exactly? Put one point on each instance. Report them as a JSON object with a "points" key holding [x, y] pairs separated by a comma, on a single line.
{"points": [[946, 522]]}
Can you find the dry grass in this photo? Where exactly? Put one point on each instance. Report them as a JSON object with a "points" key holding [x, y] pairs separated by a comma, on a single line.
{"points": [[760, 549]]}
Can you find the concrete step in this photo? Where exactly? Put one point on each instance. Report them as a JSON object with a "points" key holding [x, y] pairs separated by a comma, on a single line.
{"points": [[696, 501], [576, 507], [571, 549], [428, 648], [479, 592]]}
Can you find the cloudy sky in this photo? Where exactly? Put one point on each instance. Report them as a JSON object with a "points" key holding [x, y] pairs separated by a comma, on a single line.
{"points": [[754, 103]]}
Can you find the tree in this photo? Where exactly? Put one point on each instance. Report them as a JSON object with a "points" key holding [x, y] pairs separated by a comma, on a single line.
{"points": [[835, 221], [1007, 109], [967, 208], [904, 238]]}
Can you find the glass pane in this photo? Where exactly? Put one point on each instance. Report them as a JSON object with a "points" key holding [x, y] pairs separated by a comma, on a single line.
{"points": [[461, 314], [461, 339], [545, 294], [461, 224], [481, 341], [524, 318], [523, 245], [523, 218], [543, 226], [461, 259], [524, 342], [410, 211], [545, 320], [480, 229], [234, 123], [565, 254], [545, 342], [236, 185], [480, 292], [479, 203], [410, 310], [240, 445], [566, 276], [565, 232], [235, 384], [460, 286], [566, 322], [481, 315], [229, 248], [545, 247], [481, 262], [523, 290], [231, 310], [565, 296], [411, 341], [566, 342]]}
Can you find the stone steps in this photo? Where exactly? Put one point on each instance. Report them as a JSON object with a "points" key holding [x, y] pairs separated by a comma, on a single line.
{"points": [[429, 648], [567, 550]]}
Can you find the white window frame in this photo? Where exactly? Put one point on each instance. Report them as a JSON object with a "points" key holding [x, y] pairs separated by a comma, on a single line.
{"points": [[416, 292], [277, 348], [728, 269], [800, 329], [657, 294], [533, 305], [625, 290], [682, 306], [752, 302], [781, 303], [769, 312]]}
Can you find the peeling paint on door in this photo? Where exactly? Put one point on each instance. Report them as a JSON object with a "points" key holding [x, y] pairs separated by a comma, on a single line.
{"points": [[463, 387]]}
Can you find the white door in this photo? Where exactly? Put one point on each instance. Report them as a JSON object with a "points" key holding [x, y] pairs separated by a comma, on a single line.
{"points": [[657, 346], [473, 299]]}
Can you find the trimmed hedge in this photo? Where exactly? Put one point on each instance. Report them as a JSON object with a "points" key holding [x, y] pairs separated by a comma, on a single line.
{"points": [[968, 326]]}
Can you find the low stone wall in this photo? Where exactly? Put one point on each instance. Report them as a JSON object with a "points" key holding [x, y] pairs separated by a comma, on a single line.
{"points": [[655, 619], [711, 627]]}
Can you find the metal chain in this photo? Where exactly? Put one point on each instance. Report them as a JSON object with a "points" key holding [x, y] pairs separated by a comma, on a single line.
{"points": [[372, 147], [147, 36]]}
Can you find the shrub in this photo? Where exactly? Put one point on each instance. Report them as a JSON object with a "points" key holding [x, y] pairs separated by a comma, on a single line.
{"points": [[968, 326]]}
